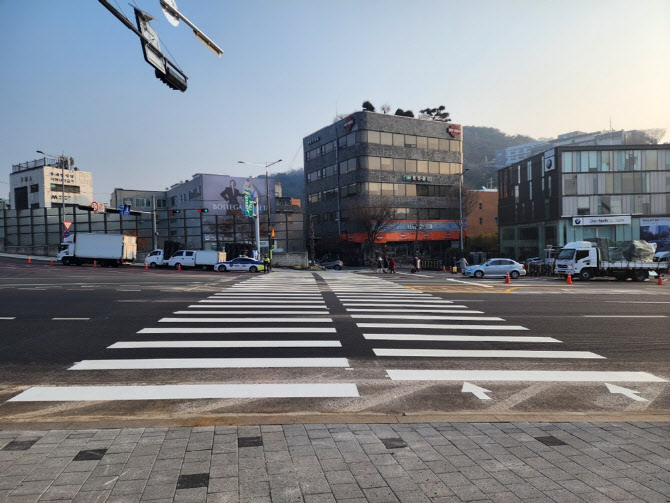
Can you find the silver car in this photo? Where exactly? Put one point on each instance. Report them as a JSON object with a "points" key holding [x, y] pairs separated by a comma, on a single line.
{"points": [[496, 267]]}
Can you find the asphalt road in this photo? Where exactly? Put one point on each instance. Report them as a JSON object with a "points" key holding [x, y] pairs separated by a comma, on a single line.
{"points": [[195, 346]]}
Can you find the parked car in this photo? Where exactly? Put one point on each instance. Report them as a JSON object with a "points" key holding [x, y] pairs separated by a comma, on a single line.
{"points": [[331, 264], [244, 264], [496, 267]]}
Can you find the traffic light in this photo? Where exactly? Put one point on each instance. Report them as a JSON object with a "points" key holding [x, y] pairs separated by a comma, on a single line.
{"points": [[172, 212], [172, 79], [203, 210]]}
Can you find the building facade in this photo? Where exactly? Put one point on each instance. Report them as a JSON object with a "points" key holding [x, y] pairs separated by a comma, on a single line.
{"points": [[370, 160], [482, 219], [585, 192], [43, 183]]}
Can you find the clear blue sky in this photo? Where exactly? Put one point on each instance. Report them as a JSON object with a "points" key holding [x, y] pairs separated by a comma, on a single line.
{"points": [[75, 82]]}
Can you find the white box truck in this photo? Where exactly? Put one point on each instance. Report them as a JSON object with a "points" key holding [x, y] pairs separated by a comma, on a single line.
{"points": [[203, 259], [104, 249], [585, 260]]}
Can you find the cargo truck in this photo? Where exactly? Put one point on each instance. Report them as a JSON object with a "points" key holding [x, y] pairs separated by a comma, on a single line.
{"points": [[203, 259], [585, 260], [104, 249]]}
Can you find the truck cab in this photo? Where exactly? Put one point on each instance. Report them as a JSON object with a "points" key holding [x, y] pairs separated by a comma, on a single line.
{"points": [[186, 258], [576, 257], [66, 252], [155, 259]]}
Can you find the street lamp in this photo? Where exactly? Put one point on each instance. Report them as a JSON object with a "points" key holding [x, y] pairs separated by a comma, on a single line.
{"points": [[61, 160], [460, 208], [267, 194]]}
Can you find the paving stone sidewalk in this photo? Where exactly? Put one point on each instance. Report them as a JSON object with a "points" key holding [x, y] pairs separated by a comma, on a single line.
{"points": [[353, 463]]}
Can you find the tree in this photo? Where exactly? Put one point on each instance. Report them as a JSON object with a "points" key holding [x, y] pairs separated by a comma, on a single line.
{"points": [[368, 107], [409, 113], [436, 114], [400, 111], [386, 108], [404, 113], [373, 220]]}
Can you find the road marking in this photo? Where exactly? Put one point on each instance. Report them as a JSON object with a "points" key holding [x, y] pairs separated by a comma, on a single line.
{"points": [[225, 344], [7, 317], [245, 320], [185, 392], [522, 375], [457, 311], [128, 290], [258, 306], [635, 302], [208, 363], [632, 394], [440, 326], [624, 316], [264, 301], [469, 283], [487, 353], [408, 305], [393, 301], [459, 338], [476, 390], [238, 330], [325, 311], [425, 317], [70, 319]]}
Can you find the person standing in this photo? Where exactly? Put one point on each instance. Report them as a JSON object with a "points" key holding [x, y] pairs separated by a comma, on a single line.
{"points": [[392, 266], [266, 264], [380, 265], [385, 265]]}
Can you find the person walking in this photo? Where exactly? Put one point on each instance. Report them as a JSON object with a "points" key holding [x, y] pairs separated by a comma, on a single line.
{"points": [[380, 265], [392, 266], [385, 265], [415, 265]]}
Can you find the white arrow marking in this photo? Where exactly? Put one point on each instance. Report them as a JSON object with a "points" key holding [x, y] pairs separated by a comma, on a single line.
{"points": [[625, 391], [476, 390]]}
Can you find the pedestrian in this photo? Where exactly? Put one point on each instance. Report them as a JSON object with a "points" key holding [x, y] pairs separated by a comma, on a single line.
{"points": [[266, 264], [415, 265], [385, 265], [380, 265], [392, 266]]}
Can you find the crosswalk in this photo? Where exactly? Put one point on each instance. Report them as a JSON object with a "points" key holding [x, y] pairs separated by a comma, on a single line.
{"points": [[286, 321]]}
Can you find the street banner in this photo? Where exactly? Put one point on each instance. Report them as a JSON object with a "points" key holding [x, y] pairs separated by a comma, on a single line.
{"points": [[248, 199]]}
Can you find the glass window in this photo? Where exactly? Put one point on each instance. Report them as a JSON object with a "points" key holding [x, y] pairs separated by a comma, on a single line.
{"points": [[386, 164], [342, 142], [422, 166], [433, 144], [399, 189], [401, 213], [386, 139], [374, 137], [609, 183], [529, 170], [617, 183], [399, 165], [410, 190], [516, 193], [374, 163], [567, 162], [633, 160], [410, 166], [604, 207], [443, 144], [434, 167], [583, 207], [361, 136], [398, 140], [584, 162], [351, 139], [628, 183], [422, 142], [667, 160], [422, 190], [593, 161], [605, 162], [364, 162], [387, 189], [651, 160], [642, 204], [410, 141], [569, 185]]}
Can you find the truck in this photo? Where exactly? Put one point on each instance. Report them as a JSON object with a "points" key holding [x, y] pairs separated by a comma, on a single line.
{"points": [[203, 259], [585, 260], [104, 249]]}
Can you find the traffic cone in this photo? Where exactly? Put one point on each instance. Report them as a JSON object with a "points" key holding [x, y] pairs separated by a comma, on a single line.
{"points": [[146, 267], [660, 280], [95, 263], [569, 280], [29, 260], [444, 268], [51, 262], [179, 267], [507, 278]]}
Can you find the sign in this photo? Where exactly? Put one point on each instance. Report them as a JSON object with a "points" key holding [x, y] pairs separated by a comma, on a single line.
{"points": [[67, 224], [349, 123], [454, 130], [417, 178], [66, 234], [612, 220], [656, 230], [248, 200], [120, 209]]}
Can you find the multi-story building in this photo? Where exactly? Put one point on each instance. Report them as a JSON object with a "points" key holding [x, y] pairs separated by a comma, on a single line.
{"points": [[370, 160], [43, 183], [584, 192], [482, 218]]}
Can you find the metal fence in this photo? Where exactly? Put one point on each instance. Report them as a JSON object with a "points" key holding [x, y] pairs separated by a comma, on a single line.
{"points": [[39, 231]]}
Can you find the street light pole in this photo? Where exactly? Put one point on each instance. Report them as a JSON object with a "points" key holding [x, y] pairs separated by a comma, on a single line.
{"points": [[267, 195]]}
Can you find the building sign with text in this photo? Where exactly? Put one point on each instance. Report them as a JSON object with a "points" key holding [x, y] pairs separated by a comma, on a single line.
{"points": [[602, 220]]}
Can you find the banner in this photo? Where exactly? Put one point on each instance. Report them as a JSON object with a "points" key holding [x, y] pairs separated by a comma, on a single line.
{"points": [[656, 230], [248, 199]]}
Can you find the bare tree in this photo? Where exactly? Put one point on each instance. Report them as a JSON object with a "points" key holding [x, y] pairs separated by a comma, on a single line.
{"points": [[373, 218], [339, 117], [386, 108], [435, 114]]}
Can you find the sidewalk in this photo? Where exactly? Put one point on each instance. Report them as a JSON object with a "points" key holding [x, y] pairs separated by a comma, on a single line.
{"points": [[355, 463]]}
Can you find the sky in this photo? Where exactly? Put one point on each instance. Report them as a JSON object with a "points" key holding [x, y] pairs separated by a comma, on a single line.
{"points": [[74, 80]]}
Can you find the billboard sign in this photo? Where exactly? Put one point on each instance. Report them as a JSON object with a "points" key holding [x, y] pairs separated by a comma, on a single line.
{"points": [[225, 195], [656, 230], [616, 220], [248, 199]]}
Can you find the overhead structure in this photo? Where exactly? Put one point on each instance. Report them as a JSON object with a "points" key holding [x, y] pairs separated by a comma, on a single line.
{"points": [[173, 16], [165, 70]]}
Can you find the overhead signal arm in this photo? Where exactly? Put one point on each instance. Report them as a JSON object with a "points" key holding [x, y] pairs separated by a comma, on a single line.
{"points": [[172, 10]]}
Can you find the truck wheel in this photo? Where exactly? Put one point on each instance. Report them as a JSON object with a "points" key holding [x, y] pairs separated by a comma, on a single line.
{"points": [[152, 265], [222, 268], [66, 261], [479, 274], [585, 274], [514, 274], [640, 275], [205, 267]]}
